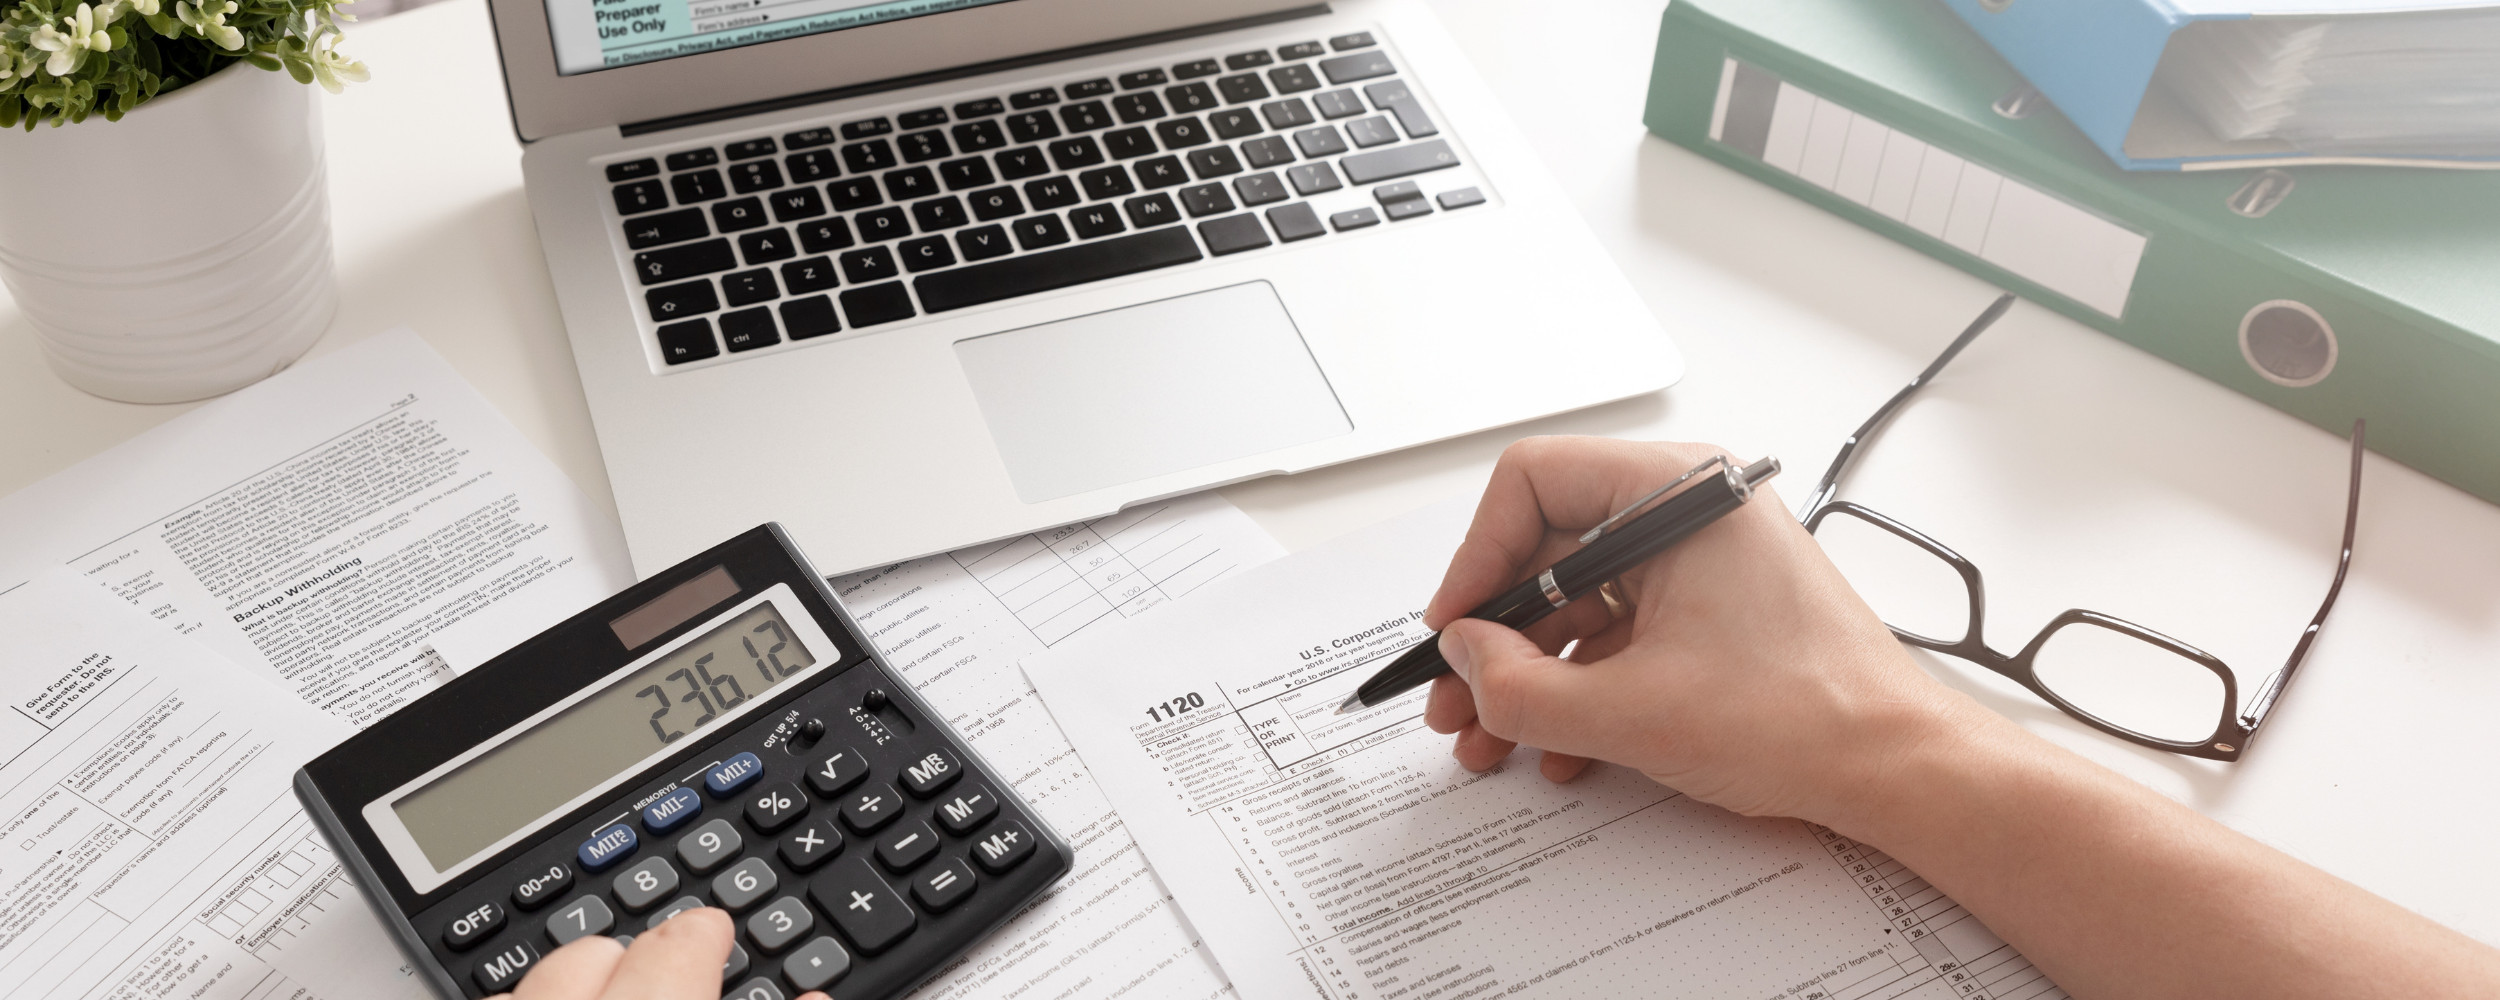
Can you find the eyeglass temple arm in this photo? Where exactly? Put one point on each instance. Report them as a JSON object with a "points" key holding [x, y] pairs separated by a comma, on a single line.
{"points": [[1830, 483], [2263, 704]]}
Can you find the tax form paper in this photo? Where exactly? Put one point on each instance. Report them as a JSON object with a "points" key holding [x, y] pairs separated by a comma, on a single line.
{"points": [[1350, 858]]}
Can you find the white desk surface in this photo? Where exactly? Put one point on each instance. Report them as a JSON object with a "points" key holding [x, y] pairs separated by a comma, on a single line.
{"points": [[2075, 470]]}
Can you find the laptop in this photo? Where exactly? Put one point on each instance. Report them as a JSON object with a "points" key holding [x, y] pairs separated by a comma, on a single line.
{"points": [[913, 275]]}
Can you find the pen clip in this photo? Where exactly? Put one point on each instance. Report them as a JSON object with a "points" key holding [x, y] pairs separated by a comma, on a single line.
{"points": [[1609, 523]]}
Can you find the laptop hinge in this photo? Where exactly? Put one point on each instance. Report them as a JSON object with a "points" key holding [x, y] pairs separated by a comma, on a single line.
{"points": [[960, 72]]}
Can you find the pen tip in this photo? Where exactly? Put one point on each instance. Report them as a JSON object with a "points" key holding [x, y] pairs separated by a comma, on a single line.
{"points": [[1352, 703]]}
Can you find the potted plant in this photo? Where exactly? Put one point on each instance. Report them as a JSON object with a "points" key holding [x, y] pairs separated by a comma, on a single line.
{"points": [[164, 216]]}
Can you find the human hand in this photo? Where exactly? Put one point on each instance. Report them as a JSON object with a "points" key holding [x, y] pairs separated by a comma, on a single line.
{"points": [[1745, 672], [678, 960]]}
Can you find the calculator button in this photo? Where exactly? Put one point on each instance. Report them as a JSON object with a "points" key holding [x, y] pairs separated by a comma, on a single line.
{"points": [[676, 906], [644, 884], [775, 806], [871, 807], [737, 963], [863, 905], [775, 926], [811, 845], [580, 918], [606, 847], [672, 811], [931, 772], [968, 808], [944, 886], [1003, 846], [758, 988], [497, 972], [543, 888], [626, 940], [906, 846], [710, 846], [469, 928], [745, 885], [733, 774], [817, 964]]}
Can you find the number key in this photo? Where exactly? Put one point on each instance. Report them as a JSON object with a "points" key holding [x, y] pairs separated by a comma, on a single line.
{"points": [[745, 885], [640, 196], [676, 906], [709, 846], [649, 882], [775, 806], [776, 926], [580, 919]]}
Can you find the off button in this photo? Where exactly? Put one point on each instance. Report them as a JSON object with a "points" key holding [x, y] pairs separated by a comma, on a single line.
{"points": [[469, 928]]}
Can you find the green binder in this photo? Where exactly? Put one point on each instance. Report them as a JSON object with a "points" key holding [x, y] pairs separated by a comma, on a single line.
{"points": [[2326, 292]]}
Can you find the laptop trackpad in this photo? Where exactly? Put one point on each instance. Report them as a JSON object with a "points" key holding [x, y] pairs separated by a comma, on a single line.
{"points": [[1119, 396]]}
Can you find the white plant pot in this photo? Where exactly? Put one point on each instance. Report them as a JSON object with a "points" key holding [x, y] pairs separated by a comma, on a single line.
{"points": [[181, 252]]}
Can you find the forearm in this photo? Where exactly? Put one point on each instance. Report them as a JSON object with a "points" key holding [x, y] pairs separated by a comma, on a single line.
{"points": [[2116, 891]]}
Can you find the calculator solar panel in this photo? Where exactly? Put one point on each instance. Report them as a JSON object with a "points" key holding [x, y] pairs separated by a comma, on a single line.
{"points": [[719, 735]]}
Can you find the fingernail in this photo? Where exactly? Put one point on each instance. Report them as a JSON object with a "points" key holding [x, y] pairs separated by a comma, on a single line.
{"points": [[1454, 649]]}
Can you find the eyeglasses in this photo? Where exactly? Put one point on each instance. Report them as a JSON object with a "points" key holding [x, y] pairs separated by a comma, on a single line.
{"points": [[2115, 675]]}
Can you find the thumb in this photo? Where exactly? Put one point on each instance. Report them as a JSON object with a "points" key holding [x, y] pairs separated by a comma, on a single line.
{"points": [[1521, 694]]}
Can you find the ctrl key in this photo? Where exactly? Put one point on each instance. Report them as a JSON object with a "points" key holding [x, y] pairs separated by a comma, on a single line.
{"points": [[497, 972]]}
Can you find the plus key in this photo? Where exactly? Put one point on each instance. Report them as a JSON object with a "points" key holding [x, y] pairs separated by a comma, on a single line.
{"points": [[869, 911]]}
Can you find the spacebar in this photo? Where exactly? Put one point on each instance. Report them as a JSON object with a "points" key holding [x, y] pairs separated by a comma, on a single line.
{"points": [[1041, 272]]}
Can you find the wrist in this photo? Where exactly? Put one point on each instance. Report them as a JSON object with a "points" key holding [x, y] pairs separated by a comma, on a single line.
{"points": [[1924, 760]]}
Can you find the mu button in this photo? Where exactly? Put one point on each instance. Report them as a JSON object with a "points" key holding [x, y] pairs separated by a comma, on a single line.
{"points": [[496, 973]]}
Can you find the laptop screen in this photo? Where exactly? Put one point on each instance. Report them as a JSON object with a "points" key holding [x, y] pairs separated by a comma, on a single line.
{"points": [[602, 34]]}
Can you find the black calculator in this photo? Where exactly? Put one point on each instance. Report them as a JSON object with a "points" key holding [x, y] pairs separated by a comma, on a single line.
{"points": [[719, 735]]}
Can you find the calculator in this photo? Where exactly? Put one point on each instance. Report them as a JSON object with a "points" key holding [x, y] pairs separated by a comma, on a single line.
{"points": [[718, 735]]}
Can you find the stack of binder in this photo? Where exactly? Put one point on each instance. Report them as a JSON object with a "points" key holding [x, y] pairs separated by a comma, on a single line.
{"points": [[2329, 292]]}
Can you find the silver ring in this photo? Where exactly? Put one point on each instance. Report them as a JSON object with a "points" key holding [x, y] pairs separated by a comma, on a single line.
{"points": [[1553, 592]]}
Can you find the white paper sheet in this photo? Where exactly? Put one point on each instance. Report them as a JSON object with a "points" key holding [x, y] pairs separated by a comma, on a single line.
{"points": [[356, 528], [955, 626], [150, 842], [1350, 858]]}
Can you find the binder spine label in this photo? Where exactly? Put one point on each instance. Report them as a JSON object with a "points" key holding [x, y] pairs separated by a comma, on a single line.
{"points": [[1996, 218]]}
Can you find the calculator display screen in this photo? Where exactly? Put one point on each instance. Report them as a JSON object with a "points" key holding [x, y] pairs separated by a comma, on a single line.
{"points": [[534, 772]]}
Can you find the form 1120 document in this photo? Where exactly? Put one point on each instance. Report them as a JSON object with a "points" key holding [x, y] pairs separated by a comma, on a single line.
{"points": [[1329, 857]]}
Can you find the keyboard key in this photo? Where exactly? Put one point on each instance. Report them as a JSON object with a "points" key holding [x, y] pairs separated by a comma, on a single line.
{"points": [[812, 316], [796, 203], [711, 845], [977, 284], [980, 136], [817, 964], [498, 972], [1301, 50], [1248, 60], [921, 147], [837, 771], [666, 227], [1400, 211], [1293, 79], [1197, 68], [1152, 210], [814, 274], [675, 302], [745, 884], [726, 777], [1034, 232], [866, 128], [877, 304], [1190, 98], [766, 247], [1295, 222], [1125, 143], [1138, 107], [969, 807], [1142, 78], [775, 805], [1392, 96], [1162, 171], [579, 919], [862, 904], [1400, 191], [905, 847], [983, 242], [824, 235], [1233, 123], [871, 264], [807, 138], [699, 186], [813, 843], [940, 888], [982, 108], [1359, 39], [995, 203], [633, 169], [1033, 98], [746, 288], [923, 118], [1246, 87], [775, 926], [882, 224], [1288, 113], [1107, 182], [641, 196], [1087, 88], [735, 965], [916, 182], [1372, 131], [1205, 200], [813, 165], [1354, 219], [1389, 164], [1085, 117], [939, 214], [1051, 192], [853, 194], [645, 884], [1358, 66], [675, 906], [1217, 161], [744, 213], [933, 771], [1267, 151], [748, 149], [969, 172], [692, 158], [1259, 189], [1230, 234], [1076, 154], [1181, 133], [1018, 164], [758, 988], [868, 157], [1008, 843], [1095, 220], [543, 888], [670, 264], [1032, 126], [1320, 141], [467, 929], [1338, 104], [926, 253], [684, 342]]}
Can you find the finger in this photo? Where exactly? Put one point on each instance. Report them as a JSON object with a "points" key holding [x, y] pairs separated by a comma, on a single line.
{"points": [[1450, 705], [1539, 485], [1605, 642], [678, 959], [577, 971], [1560, 767], [1522, 694], [1477, 749]]}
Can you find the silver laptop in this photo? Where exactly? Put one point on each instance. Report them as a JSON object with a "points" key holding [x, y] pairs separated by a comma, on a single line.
{"points": [[912, 275]]}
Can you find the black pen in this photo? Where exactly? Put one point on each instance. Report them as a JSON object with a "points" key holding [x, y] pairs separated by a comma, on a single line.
{"points": [[1608, 551]]}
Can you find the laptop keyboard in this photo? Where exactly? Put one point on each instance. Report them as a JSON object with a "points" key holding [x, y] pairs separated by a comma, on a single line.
{"points": [[774, 239]]}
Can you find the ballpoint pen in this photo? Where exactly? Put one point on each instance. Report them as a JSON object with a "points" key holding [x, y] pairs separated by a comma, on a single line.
{"points": [[1617, 544]]}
